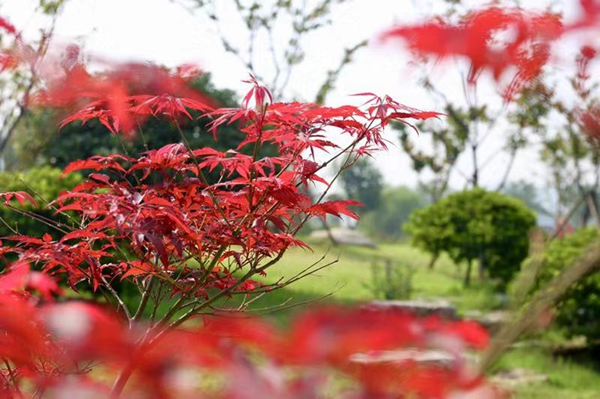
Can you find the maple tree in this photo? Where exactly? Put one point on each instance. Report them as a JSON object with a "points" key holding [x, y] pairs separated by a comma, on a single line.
{"points": [[160, 209], [156, 222], [20, 68], [281, 28], [38, 142]]}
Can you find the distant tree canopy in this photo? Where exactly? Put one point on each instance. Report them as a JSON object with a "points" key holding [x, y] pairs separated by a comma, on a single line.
{"points": [[39, 141], [528, 193], [363, 182], [395, 207], [476, 225], [44, 184]]}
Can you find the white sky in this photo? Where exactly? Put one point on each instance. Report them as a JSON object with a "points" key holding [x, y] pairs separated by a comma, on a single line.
{"points": [[163, 32]]}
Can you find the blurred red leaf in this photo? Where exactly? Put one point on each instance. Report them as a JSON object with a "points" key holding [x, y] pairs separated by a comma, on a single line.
{"points": [[493, 38], [7, 26], [335, 208], [21, 196]]}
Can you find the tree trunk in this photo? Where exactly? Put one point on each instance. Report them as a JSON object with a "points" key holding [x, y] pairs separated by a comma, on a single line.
{"points": [[482, 267], [593, 206], [433, 260], [468, 273], [475, 178]]}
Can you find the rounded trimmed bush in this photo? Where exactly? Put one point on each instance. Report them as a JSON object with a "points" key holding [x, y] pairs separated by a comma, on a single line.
{"points": [[488, 227]]}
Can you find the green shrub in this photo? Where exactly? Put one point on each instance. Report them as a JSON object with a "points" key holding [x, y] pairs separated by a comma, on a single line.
{"points": [[391, 281], [579, 309], [44, 184], [476, 225]]}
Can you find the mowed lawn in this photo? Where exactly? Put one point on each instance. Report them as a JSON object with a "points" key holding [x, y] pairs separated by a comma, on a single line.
{"points": [[348, 281]]}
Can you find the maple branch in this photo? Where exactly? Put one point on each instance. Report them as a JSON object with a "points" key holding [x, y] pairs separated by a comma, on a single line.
{"points": [[5, 378], [201, 281], [147, 288], [349, 151], [46, 202], [47, 221], [5, 223], [13, 376], [201, 175], [259, 129], [121, 381], [226, 292], [286, 305], [157, 299], [308, 271], [117, 297]]}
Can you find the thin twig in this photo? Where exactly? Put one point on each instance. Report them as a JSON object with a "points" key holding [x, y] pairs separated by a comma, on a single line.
{"points": [[147, 289], [116, 296]]}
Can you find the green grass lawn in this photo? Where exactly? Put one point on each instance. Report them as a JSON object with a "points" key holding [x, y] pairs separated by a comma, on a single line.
{"points": [[566, 379], [347, 281]]}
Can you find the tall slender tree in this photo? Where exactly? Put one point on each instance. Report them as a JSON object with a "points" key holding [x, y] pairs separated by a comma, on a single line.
{"points": [[20, 64], [283, 28]]}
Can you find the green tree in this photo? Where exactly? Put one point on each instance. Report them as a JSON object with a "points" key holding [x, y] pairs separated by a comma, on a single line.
{"points": [[396, 204], [44, 184], [363, 182], [39, 141], [476, 225], [284, 28], [466, 132], [569, 140], [17, 84], [527, 192]]}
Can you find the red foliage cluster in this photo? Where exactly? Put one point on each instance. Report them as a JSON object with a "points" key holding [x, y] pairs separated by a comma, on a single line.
{"points": [[7, 26], [8, 58], [589, 121], [587, 115], [583, 59], [162, 209], [122, 97], [50, 351], [497, 39]]}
